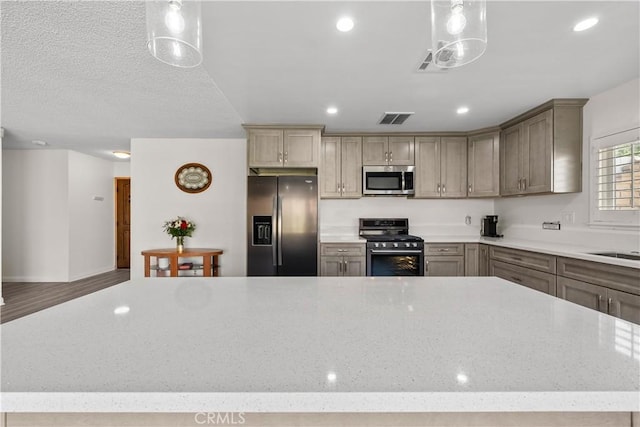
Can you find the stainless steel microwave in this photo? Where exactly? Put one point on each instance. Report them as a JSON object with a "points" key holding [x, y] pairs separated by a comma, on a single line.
{"points": [[387, 180]]}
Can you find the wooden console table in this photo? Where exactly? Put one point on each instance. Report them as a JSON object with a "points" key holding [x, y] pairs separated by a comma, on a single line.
{"points": [[209, 260]]}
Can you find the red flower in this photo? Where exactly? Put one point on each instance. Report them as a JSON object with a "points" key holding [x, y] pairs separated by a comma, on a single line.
{"points": [[183, 225]]}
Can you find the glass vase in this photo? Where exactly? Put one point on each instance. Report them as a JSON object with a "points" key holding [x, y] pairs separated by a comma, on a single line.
{"points": [[180, 243]]}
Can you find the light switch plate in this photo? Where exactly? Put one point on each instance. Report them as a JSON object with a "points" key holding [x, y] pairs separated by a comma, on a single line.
{"points": [[555, 225]]}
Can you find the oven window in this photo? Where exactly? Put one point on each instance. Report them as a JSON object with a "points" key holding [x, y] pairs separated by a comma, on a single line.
{"points": [[395, 265], [384, 180]]}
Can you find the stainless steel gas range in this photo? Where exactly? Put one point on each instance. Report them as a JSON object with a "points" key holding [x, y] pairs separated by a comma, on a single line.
{"points": [[391, 250]]}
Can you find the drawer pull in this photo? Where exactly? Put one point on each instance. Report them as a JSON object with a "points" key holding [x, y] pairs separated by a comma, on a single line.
{"points": [[516, 279], [516, 258], [443, 250]]}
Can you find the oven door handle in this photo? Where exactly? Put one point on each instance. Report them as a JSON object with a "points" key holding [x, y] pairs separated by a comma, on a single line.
{"points": [[397, 252]]}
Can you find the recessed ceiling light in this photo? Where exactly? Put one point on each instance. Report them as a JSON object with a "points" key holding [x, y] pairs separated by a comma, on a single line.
{"points": [[345, 24], [39, 142], [462, 110], [122, 154], [586, 24], [332, 110]]}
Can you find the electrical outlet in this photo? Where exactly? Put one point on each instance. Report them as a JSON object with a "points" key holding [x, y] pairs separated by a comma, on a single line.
{"points": [[569, 217], [467, 220], [555, 225]]}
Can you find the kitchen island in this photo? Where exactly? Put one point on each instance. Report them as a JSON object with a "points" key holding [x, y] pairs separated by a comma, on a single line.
{"points": [[318, 345]]}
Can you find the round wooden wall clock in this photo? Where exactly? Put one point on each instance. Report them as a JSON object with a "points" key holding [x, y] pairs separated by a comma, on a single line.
{"points": [[193, 177]]}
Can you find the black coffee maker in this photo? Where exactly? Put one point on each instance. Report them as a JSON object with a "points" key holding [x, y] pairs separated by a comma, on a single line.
{"points": [[489, 226]]}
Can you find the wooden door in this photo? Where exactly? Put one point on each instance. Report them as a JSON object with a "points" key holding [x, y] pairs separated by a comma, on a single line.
{"points": [[351, 156], [537, 160], [331, 266], [354, 266], [375, 150], [510, 160], [301, 147], [453, 167], [484, 165], [427, 175], [582, 293], [471, 259], [330, 181], [483, 261], [265, 148], [444, 266], [624, 305], [123, 222], [401, 150]]}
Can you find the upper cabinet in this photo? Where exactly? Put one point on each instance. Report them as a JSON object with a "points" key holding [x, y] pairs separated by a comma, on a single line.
{"points": [[483, 164], [541, 150], [341, 167], [441, 167], [283, 146], [388, 150]]}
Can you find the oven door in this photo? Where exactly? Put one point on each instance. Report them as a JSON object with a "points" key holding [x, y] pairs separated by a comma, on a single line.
{"points": [[384, 262]]}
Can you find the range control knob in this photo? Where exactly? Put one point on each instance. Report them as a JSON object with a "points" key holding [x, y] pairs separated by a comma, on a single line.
{"points": [[408, 244], [395, 245], [375, 245], [384, 245], [415, 245]]}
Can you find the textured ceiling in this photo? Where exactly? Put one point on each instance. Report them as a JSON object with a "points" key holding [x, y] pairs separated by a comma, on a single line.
{"points": [[78, 74]]}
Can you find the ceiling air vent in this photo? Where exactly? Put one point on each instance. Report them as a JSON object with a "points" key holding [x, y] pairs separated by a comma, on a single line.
{"points": [[427, 66], [394, 118]]}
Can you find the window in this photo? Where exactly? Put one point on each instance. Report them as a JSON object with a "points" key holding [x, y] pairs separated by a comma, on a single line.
{"points": [[619, 177], [615, 178]]}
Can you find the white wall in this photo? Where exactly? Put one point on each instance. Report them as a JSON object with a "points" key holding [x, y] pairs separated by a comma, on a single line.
{"points": [[426, 217], [219, 212], [521, 217], [1, 135], [92, 222], [121, 169], [35, 220]]}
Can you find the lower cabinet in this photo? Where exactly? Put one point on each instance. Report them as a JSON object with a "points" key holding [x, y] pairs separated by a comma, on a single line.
{"points": [[616, 303], [476, 259], [534, 279], [342, 259], [444, 259]]}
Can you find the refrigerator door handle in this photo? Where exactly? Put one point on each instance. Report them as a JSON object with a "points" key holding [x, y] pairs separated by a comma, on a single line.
{"points": [[279, 230], [275, 244]]}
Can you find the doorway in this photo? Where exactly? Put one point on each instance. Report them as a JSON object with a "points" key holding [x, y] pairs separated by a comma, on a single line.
{"points": [[123, 222]]}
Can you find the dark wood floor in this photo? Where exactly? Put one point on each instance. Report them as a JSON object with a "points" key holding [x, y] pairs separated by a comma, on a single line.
{"points": [[22, 298]]}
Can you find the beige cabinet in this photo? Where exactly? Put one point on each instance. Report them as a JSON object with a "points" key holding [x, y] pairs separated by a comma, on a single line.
{"points": [[616, 303], [609, 288], [531, 269], [388, 151], [341, 167], [483, 164], [342, 259], [291, 147], [541, 150], [534, 279], [441, 167], [476, 259], [444, 259]]}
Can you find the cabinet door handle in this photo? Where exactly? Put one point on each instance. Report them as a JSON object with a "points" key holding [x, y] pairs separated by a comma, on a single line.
{"points": [[343, 188], [444, 188], [286, 156], [386, 156], [524, 183], [609, 301], [426, 265], [390, 156], [599, 302], [438, 189], [470, 189], [338, 187], [279, 156], [345, 266], [339, 266]]}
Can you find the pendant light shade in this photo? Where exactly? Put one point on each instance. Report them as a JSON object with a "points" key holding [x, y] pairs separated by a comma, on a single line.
{"points": [[458, 31], [174, 32]]}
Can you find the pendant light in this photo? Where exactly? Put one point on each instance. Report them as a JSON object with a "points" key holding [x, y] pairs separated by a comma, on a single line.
{"points": [[458, 31], [174, 32]]}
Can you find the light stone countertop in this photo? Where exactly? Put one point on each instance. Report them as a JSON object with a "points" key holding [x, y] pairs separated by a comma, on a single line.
{"points": [[319, 344]]}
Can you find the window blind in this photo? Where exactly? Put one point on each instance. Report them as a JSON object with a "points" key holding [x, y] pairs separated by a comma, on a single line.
{"points": [[618, 177]]}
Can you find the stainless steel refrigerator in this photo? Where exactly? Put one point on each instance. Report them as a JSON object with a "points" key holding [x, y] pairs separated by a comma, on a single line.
{"points": [[282, 226]]}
